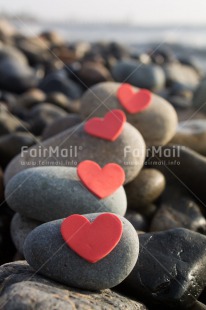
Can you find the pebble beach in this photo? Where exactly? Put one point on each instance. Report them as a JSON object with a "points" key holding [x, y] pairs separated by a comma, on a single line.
{"points": [[102, 181]]}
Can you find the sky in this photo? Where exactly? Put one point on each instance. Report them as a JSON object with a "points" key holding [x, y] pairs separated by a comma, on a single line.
{"points": [[144, 12]]}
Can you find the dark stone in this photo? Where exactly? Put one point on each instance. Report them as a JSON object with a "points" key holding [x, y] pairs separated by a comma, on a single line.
{"points": [[178, 209], [138, 74], [21, 289], [137, 220], [61, 124], [184, 166], [170, 270], [42, 115], [11, 144], [15, 74], [58, 82]]}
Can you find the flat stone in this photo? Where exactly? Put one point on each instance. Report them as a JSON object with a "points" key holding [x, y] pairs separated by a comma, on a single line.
{"points": [[57, 192], [22, 289], [159, 115], [170, 269], [46, 251], [75, 145], [20, 228]]}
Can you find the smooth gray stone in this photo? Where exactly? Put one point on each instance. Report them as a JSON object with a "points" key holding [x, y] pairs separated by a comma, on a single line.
{"points": [[128, 150], [20, 228], [21, 289], [46, 251], [50, 193], [157, 123]]}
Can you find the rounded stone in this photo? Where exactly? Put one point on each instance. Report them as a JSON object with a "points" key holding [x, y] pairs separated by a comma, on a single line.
{"points": [[145, 188], [75, 145], [179, 73], [157, 123], [192, 133], [20, 228], [46, 251], [61, 124], [12, 144], [137, 220], [57, 192], [92, 73], [42, 115], [148, 76]]}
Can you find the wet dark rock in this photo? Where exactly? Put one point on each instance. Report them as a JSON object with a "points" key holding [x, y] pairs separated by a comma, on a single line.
{"points": [[22, 289], [170, 271]]}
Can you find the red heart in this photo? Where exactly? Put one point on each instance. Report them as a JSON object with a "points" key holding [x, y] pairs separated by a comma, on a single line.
{"points": [[102, 182], [92, 241], [109, 127], [131, 101]]}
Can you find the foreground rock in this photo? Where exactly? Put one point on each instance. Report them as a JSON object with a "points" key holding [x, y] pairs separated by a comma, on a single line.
{"points": [[60, 194], [46, 251], [75, 145], [22, 289], [157, 123], [170, 269]]}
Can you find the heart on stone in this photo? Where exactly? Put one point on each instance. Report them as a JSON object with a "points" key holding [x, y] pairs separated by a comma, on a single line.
{"points": [[92, 241], [102, 182], [109, 127], [132, 101]]}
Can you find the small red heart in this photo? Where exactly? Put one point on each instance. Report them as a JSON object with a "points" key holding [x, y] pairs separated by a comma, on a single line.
{"points": [[131, 101], [102, 182], [109, 127], [92, 241]]}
